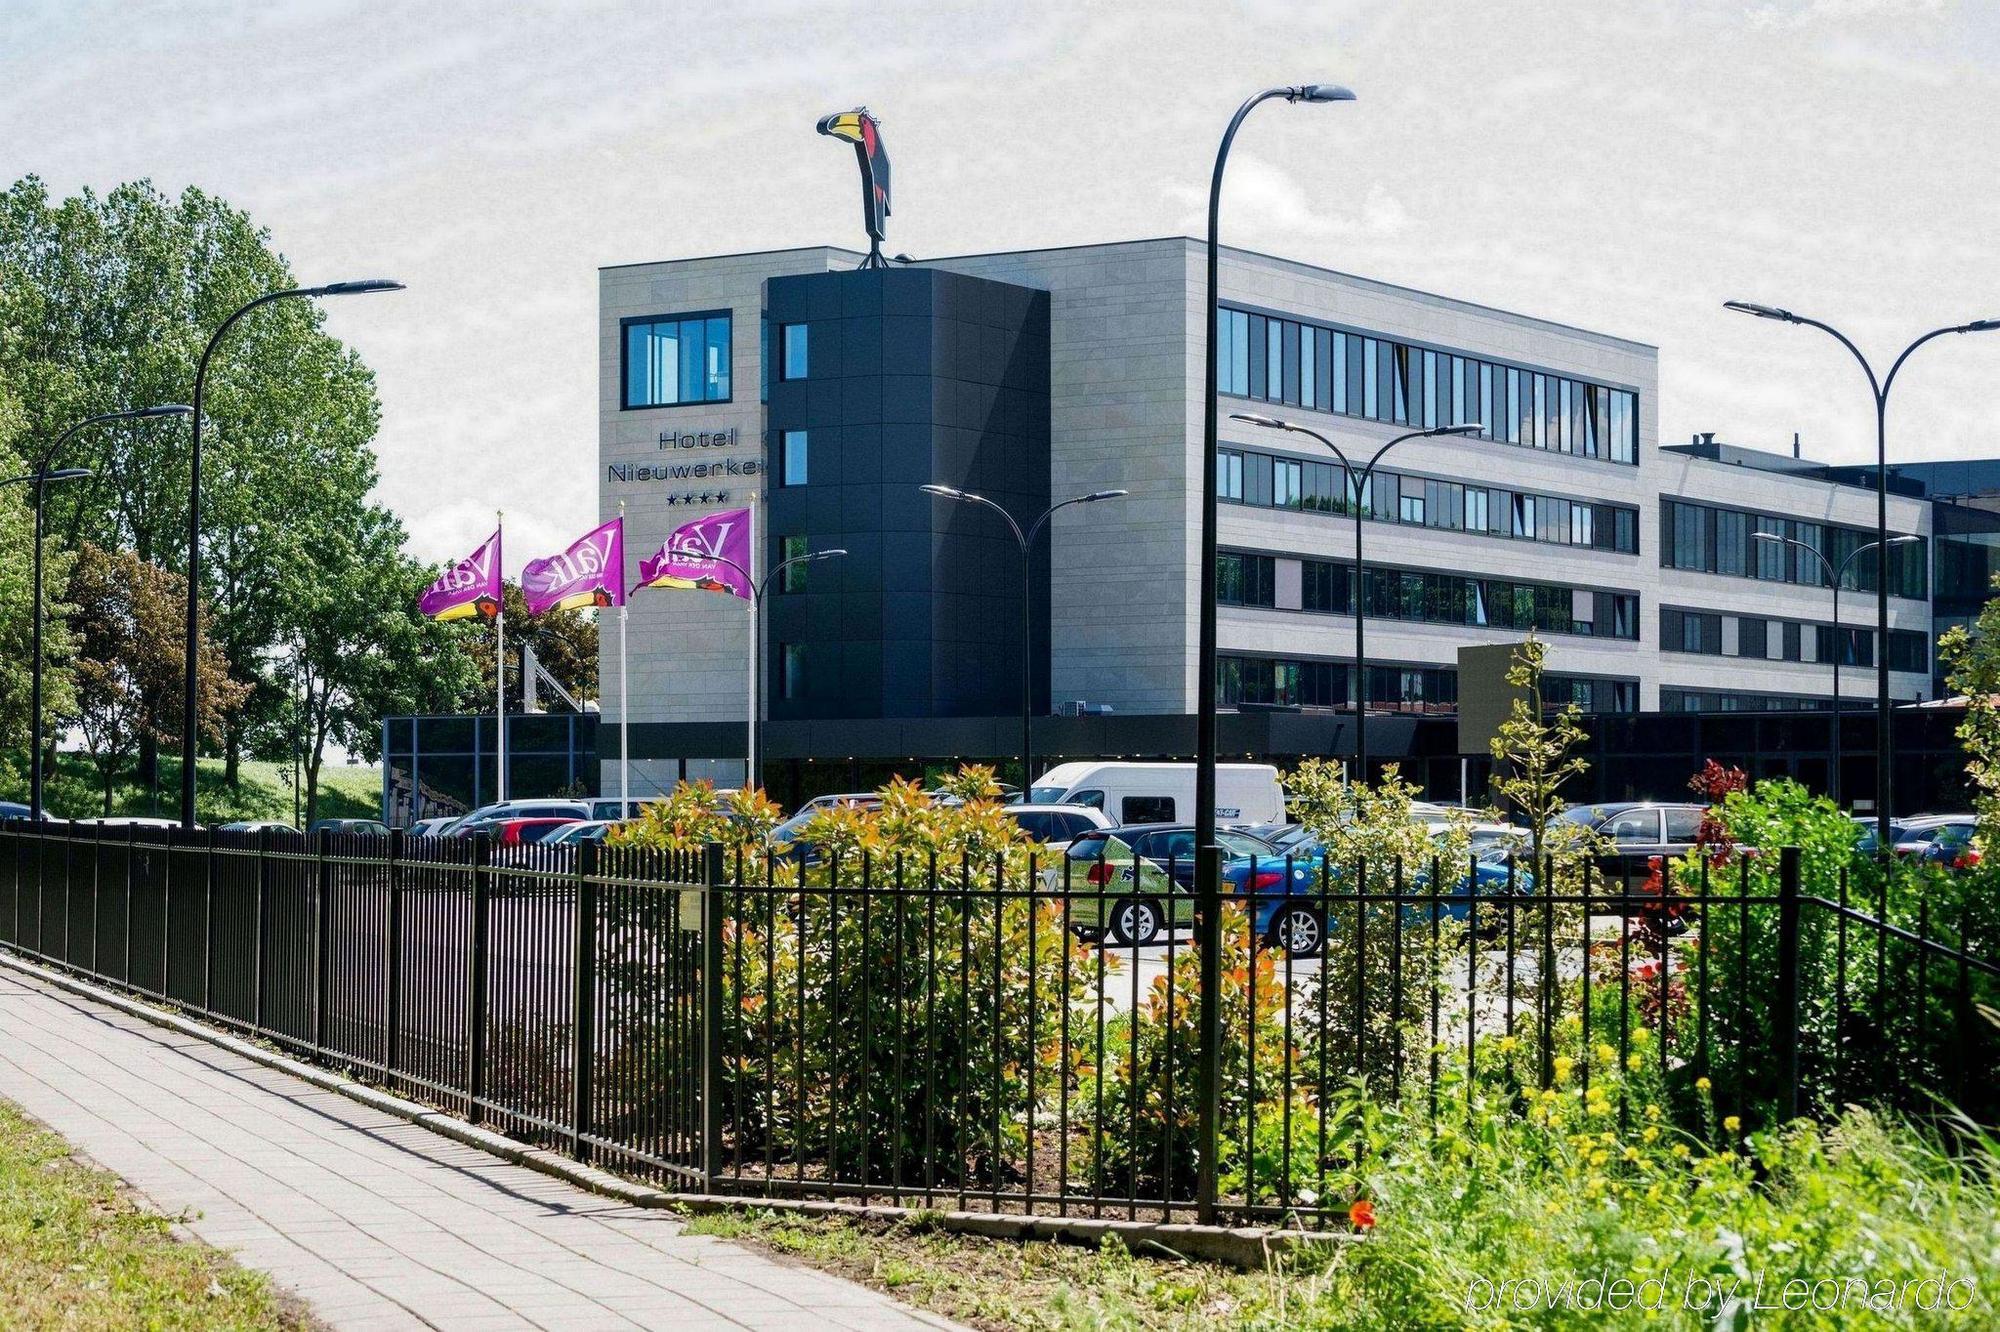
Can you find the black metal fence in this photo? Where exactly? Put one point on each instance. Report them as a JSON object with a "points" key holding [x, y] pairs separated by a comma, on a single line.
{"points": [[959, 1035]]}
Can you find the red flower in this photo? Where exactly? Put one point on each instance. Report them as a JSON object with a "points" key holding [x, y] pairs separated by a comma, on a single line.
{"points": [[1362, 1215]]}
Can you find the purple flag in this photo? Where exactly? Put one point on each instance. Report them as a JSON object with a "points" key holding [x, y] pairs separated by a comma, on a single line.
{"points": [[712, 553], [590, 573], [470, 587]]}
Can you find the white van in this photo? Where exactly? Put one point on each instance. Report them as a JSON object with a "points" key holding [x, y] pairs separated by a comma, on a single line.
{"points": [[1162, 792]]}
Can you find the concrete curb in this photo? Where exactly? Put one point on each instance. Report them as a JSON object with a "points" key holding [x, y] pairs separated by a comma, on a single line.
{"points": [[1249, 1248]]}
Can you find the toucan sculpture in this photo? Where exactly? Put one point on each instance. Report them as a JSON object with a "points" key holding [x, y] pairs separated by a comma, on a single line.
{"points": [[861, 129]]}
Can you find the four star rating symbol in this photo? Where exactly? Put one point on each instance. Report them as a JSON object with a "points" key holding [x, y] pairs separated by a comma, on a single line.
{"points": [[691, 497]]}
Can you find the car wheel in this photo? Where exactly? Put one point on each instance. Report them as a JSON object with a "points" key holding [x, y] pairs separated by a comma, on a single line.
{"points": [[1134, 922], [1298, 931]]}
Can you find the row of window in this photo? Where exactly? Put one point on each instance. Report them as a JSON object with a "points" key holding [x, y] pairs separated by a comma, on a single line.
{"points": [[1707, 539], [1328, 370], [1244, 578], [1288, 683], [1710, 634], [1715, 700], [1267, 480], [670, 360]]}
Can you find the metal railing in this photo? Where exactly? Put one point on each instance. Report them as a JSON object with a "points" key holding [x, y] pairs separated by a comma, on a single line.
{"points": [[966, 1036]]}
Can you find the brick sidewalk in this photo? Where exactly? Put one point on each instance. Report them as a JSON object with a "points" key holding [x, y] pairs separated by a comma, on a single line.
{"points": [[374, 1221]]}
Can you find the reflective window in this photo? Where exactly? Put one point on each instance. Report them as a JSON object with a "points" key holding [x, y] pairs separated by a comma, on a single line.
{"points": [[672, 360], [794, 366], [793, 458], [792, 670]]}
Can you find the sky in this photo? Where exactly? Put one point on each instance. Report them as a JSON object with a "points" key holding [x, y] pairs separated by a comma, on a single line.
{"points": [[1624, 167]]}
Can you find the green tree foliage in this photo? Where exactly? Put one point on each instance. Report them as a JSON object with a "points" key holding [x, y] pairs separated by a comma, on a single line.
{"points": [[17, 457], [360, 649], [565, 642], [106, 302], [1972, 660], [1535, 757], [130, 617]]}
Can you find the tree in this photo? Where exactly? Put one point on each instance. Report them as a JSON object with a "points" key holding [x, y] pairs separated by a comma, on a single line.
{"points": [[1535, 758], [1972, 662], [17, 603], [129, 620], [106, 302], [564, 642], [362, 649]]}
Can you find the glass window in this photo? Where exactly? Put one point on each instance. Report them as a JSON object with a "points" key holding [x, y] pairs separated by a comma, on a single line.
{"points": [[1475, 509], [792, 462], [1411, 506], [1229, 475], [675, 360], [1284, 483], [794, 366], [1639, 827], [1369, 376], [792, 670], [1274, 360], [794, 579], [1239, 351], [1309, 367]]}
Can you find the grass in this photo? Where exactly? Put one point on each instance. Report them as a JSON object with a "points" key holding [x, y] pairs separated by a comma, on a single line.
{"points": [[1050, 1287], [77, 1252], [264, 791]]}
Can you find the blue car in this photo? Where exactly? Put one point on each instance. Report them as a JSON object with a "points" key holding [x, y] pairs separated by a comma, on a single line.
{"points": [[1287, 894]]}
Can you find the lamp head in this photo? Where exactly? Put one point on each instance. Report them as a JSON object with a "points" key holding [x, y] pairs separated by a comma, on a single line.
{"points": [[1981, 326], [1259, 419], [1320, 92], [69, 474], [1460, 428], [1761, 311], [360, 287], [165, 409], [1097, 495], [942, 492], [1903, 540], [827, 554]]}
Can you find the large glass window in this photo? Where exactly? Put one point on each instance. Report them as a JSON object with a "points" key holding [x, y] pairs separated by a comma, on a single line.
{"points": [[794, 579], [1245, 580], [673, 360], [792, 670], [793, 469], [795, 348]]}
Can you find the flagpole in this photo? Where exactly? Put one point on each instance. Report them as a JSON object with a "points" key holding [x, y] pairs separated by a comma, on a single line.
{"points": [[624, 695], [750, 782], [500, 675]]}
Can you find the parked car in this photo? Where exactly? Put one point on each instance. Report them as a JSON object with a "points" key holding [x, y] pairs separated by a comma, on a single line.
{"points": [[433, 827], [530, 832], [611, 809], [482, 819], [1868, 841], [14, 809], [1132, 793], [1914, 836], [371, 827], [1056, 826], [132, 821], [594, 830], [257, 826], [1638, 831], [1156, 863]]}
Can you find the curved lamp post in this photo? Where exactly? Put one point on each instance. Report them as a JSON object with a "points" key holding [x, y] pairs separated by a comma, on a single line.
{"points": [[1880, 387], [1208, 855], [753, 746], [192, 645], [1357, 486], [1836, 576], [45, 472], [1026, 541]]}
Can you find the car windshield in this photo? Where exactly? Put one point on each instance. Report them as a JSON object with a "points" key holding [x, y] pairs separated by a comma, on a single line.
{"points": [[1243, 846], [1587, 815], [788, 831], [1045, 795]]}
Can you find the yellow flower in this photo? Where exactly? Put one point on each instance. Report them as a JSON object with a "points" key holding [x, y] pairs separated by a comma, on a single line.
{"points": [[1508, 1044], [1631, 1153], [1652, 1112], [1652, 1133], [1654, 1193], [1634, 1062], [1548, 1093], [1605, 1054], [1702, 1084], [1608, 1138], [1642, 1035], [1681, 1150], [1731, 1124], [1563, 1066], [1599, 1157]]}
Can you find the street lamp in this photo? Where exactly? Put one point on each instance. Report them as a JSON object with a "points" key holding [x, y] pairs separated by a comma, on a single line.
{"points": [[193, 637], [1026, 541], [39, 480], [1208, 855], [1837, 577], [751, 748], [1357, 486], [1880, 388]]}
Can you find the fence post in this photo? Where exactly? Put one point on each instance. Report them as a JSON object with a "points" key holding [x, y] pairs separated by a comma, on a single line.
{"points": [[131, 882], [583, 1028], [208, 921], [322, 892], [1208, 938], [392, 957], [711, 1015], [166, 912], [475, 978], [257, 941], [1785, 1018]]}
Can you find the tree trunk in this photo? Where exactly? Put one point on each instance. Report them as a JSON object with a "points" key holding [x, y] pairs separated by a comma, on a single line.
{"points": [[109, 774], [232, 753]]}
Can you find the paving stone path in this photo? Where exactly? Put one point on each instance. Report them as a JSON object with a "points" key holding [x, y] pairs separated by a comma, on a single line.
{"points": [[373, 1221]]}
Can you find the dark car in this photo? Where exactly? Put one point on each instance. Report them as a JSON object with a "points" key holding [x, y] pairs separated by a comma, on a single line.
{"points": [[1135, 881], [1947, 843], [374, 827], [1638, 831]]}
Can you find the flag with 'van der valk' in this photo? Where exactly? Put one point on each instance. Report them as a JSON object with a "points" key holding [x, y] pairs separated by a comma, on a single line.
{"points": [[470, 587], [590, 573], [711, 554]]}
